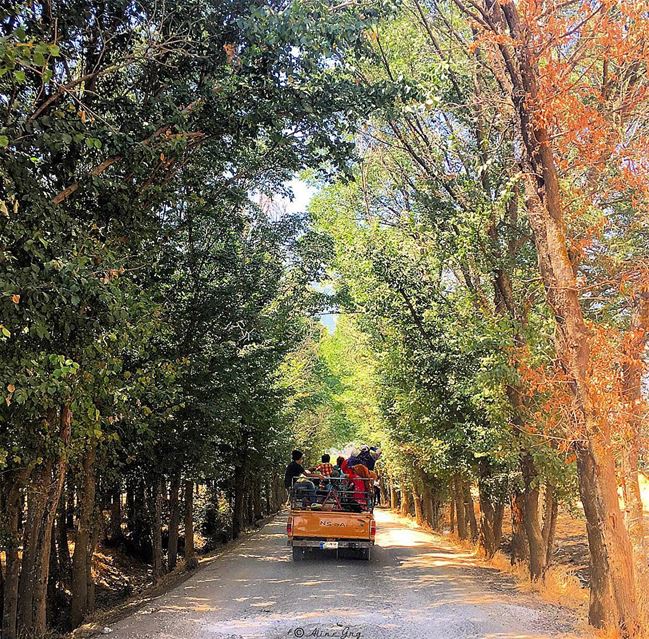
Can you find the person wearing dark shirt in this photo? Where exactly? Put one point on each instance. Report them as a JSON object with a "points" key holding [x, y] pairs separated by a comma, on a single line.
{"points": [[294, 469]]}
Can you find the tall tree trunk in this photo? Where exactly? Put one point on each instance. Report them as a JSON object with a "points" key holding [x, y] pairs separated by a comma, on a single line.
{"points": [[633, 349], [280, 493], [45, 493], [551, 509], [487, 537], [460, 511], [130, 506], [394, 496], [601, 593], [416, 498], [115, 534], [250, 506], [531, 518], [94, 540], [2, 580], [239, 506], [256, 500], [53, 579], [85, 520], [174, 520], [452, 511], [190, 556], [62, 544], [157, 489], [140, 515], [11, 503], [268, 498], [499, 513], [405, 499], [470, 510], [436, 505], [427, 503], [520, 548], [69, 501]]}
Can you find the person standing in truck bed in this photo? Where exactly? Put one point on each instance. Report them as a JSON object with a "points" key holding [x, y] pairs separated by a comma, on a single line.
{"points": [[294, 469], [325, 468]]}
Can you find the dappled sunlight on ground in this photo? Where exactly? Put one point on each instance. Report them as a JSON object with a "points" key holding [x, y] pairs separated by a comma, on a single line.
{"points": [[415, 586]]}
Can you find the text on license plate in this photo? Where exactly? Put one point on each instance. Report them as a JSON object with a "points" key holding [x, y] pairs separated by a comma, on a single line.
{"points": [[329, 545]]}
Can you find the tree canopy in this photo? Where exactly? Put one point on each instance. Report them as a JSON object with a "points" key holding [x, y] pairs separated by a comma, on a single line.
{"points": [[479, 230]]}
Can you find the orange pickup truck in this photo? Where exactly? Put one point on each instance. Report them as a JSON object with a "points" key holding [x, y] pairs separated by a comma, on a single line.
{"points": [[336, 516]]}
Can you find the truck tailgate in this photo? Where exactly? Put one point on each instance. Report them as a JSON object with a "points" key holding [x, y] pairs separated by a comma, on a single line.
{"points": [[330, 525]]}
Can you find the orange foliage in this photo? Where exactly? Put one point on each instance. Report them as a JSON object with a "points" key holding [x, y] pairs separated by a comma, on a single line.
{"points": [[593, 97], [592, 93], [547, 386]]}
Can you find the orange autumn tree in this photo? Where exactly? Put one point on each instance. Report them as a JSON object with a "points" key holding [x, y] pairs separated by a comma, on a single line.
{"points": [[573, 75]]}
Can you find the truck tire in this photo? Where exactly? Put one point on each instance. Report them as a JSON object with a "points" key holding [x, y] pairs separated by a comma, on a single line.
{"points": [[298, 553], [364, 553]]}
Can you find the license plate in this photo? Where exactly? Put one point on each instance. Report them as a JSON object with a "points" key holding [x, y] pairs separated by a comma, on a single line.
{"points": [[329, 545]]}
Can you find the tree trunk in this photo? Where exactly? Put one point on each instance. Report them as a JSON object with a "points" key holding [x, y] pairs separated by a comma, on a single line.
{"points": [[405, 499], [531, 520], [85, 520], [256, 501], [452, 511], [267, 496], [437, 505], [520, 548], [2, 580], [250, 506], [498, 523], [394, 496], [115, 534], [63, 546], [12, 499], [45, 493], [427, 503], [174, 520], [488, 541], [239, 506], [416, 498], [610, 602], [190, 557], [551, 509], [460, 511], [279, 492], [130, 507], [69, 501], [94, 539], [156, 528], [470, 510], [52, 581], [141, 527], [633, 348]]}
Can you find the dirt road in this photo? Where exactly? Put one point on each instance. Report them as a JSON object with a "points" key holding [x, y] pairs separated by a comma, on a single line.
{"points": [[415, 586]]}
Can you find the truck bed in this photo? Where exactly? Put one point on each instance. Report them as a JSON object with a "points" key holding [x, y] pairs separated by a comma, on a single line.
{"points": [[317, 526]]}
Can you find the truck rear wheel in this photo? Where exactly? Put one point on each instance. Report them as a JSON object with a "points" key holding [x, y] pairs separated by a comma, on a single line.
{"points": [[364, 553], [298, 553]]}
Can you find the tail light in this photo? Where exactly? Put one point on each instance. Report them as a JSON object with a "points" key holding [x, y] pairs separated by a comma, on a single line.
{"points": [[289, 527], [372, 529]]}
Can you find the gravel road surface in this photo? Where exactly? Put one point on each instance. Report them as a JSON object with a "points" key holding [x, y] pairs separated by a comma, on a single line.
{"points": [[416, 585]]}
